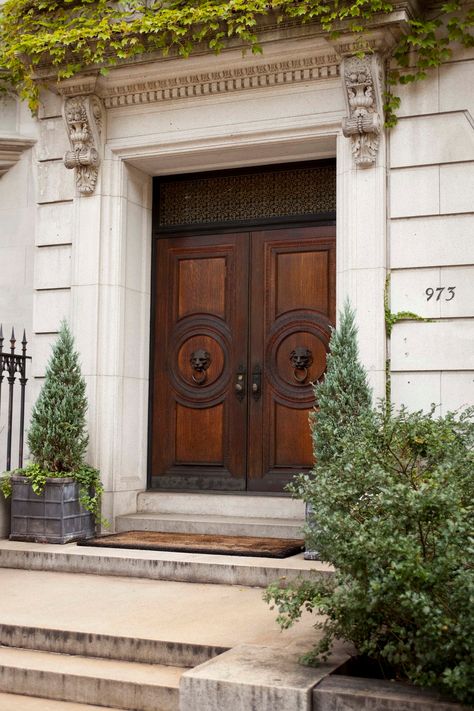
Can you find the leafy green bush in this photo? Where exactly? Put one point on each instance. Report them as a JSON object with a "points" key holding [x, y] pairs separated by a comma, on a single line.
{"points": [[395, 514], [57, 436], [76, 35]]}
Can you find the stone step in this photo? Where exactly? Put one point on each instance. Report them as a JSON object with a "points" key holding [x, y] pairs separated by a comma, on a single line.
{"points": [[63, 621], [108, 646], [158, 565], [148, 621], [221, 504], [18, 702], [211, 524], [103, 682]]}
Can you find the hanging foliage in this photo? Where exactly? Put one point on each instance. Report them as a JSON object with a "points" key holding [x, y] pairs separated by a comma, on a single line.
{"points": [[74, 35]]}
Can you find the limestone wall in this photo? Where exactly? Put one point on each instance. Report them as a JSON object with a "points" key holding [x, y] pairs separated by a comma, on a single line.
{"points": [[88, 258], [17, 234], [431, 243]]}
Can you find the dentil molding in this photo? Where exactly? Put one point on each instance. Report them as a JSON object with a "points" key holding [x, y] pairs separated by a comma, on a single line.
{"points": [[84, 119], [225, 80]]}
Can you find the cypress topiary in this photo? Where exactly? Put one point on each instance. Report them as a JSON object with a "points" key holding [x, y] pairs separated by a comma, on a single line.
{"points": [[342, 397], [344, 394], [57, 437]]}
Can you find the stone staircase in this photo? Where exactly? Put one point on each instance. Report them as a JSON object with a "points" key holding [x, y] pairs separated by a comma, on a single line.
{"points": [[216, 514], [84, 628], [139, 645]]}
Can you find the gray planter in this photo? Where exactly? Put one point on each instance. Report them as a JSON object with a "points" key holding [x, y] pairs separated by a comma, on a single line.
{"points": [[5, 514], [54, 516], [309, 519]]}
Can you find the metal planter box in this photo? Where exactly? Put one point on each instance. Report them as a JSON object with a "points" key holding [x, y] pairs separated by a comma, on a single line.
{"points": [[54, 516]]}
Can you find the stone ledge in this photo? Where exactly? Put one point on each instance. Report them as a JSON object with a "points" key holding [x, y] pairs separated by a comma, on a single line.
{"points": [[11, 149], [339, 693], [253, 677]]}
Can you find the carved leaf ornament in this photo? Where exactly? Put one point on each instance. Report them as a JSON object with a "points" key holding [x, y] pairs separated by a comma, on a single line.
{"points": [[83, 116], [363, 124]]}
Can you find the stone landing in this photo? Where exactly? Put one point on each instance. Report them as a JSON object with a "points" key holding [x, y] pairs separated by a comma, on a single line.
{"points": [[158, 565]]}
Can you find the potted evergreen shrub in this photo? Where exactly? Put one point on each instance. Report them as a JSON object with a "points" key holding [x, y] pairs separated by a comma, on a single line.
{"points": [[342, 397], [56, 497]]}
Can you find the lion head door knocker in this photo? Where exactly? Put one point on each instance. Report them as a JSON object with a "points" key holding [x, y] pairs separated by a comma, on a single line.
{"points": [[301, 359], [200, 361]]}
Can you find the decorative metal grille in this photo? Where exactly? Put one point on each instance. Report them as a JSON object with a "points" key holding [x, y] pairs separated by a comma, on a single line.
{"points": [[290, 192]]}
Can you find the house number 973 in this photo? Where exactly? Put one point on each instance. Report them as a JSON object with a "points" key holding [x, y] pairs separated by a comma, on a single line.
{"points": [[437, 293]]}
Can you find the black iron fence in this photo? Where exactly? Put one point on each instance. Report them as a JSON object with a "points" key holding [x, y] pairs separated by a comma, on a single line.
{"points": [[13, 367]]}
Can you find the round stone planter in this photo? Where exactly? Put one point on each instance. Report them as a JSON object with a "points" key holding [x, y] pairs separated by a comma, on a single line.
{"points": [[54, 516]]}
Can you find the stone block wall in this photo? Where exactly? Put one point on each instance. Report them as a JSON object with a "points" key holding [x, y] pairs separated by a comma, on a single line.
{"points": [[88, 258], [17, 234], [54, 229], [431, 242]]}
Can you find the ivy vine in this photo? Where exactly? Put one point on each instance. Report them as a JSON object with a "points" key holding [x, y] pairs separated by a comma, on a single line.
{"points": [[74, 35], [391, 319]]}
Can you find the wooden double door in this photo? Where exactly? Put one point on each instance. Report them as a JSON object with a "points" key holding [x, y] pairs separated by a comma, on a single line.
{"points": [[242, 326]]}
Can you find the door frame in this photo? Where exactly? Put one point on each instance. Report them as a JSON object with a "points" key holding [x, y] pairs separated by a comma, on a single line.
{"points": [[321, 220], [111, 236]]}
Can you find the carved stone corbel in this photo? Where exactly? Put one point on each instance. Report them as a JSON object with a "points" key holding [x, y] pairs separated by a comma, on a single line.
{"points": [[84, 119], [362, 77]]}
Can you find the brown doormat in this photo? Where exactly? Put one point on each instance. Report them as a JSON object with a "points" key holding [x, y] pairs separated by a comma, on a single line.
{"points": [[199, 543]]}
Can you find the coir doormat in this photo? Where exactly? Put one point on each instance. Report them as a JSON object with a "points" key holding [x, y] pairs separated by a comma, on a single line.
{"points": [[199, 543]]}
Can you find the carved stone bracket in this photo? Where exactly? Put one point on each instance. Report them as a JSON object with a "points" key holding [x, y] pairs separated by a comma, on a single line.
{"points": [[362, 77], [84, 120]]}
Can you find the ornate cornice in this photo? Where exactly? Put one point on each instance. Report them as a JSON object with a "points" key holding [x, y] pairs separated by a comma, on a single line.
{"points": [[11, 149], [230, 79], [78, 85], [83, 116]]}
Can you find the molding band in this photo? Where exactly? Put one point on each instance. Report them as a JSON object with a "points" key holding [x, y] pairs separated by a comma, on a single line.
{"points": [[220, 82], [11, 149]]}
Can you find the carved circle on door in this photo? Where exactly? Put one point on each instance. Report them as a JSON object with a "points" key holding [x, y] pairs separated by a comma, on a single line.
{"points": [[302, 331], [186, 342]]}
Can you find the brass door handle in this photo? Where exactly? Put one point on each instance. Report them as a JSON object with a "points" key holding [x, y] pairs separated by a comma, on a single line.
{"points": [[256, 382]]}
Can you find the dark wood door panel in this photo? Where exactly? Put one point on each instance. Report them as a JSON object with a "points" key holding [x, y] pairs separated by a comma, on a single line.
{"points": [[209, 339], [292, 309], [200, 343]]}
